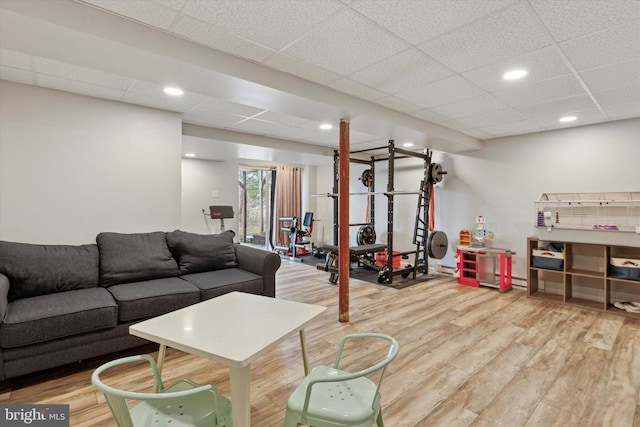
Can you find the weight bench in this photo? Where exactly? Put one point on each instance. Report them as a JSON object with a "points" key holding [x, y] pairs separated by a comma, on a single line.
{"points": [[364, 255]]}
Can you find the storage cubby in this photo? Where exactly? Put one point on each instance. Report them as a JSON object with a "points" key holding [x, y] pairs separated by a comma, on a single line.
{"points": [[586, 260], [549, 284], [581, 275], [584, 291]]}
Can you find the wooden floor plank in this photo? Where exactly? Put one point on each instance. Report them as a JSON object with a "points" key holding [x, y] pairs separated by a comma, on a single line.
{"points": [[612, 401], [476, 394], [468, 357]]}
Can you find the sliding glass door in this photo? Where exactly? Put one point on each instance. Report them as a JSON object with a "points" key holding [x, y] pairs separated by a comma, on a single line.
{"points": [[254, 186]]}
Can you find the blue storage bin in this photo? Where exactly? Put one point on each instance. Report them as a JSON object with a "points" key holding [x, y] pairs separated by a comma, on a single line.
{"points": [[543, 258], [624, 268]]}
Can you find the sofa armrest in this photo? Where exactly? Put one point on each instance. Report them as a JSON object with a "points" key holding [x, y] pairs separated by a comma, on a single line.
{"points": [[4, 293], [260, 262]]}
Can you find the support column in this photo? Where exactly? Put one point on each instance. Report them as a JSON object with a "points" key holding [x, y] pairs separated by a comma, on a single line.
{"points": [[343, 224]]}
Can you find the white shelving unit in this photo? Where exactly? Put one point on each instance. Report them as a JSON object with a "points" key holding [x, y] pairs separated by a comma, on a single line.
{"points": [[599, 217]]}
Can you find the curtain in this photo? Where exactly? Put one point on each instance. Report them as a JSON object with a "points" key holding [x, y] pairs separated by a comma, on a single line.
{"points": [[288, 201]]}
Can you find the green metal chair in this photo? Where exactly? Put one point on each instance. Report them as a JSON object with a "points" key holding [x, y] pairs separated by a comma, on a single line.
{"points": [[184, 403], [330, 397]]}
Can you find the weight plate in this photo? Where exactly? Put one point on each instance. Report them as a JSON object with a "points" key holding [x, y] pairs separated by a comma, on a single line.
{"points": [[435, 172], [366, 177], [366, 235], [437, 244]]}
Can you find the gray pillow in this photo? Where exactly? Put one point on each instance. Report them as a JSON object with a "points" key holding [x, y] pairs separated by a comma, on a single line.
{"points": [[44, 269], [134, 257], [202, 252]]}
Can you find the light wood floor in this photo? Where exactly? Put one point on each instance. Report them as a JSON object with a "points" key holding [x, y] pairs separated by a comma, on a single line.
{"points": [[468, 357]]}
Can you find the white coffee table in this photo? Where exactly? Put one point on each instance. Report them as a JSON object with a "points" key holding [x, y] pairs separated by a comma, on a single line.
{"points": [[233, 329]]}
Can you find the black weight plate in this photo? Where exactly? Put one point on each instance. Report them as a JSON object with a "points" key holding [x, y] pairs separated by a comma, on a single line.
{"points": [[436, 172], [437, 244], [366, 235], [366, 177]]}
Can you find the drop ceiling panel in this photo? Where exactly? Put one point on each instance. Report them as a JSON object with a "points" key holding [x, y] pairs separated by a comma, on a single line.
{"points": [[567, 19], [216, 38], [429, 116], [506, 115], [504, 129], [546, 90], [301, 68], [622, 111], [605, 47], [619, 95], [592, 115], [541, 64], [262, 21], [497, 37], [345, 44], [420, 20], [400, 72], [559, 107], [442, 92], [481, 104], [398, 104], [354, 88], [611, 76]]}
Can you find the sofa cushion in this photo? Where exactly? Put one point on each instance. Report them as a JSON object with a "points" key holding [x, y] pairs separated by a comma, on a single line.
{"points": [[43, 269], [63, 314], [216, 283], [140, 300], [134, 257], [202, 252]]}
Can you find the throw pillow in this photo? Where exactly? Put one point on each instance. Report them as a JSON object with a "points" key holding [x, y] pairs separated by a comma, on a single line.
{"points": [[202, 252], [44, 269], [134, 257]]}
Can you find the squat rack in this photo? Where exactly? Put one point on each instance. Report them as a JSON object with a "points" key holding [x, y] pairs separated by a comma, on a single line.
{"points": [[432, 173]]}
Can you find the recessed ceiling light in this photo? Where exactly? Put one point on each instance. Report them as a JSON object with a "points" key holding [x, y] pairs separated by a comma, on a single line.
{"points": [[567, 119], [408, 144], [173, 91], [514, 74], [326, 126], [189, 154]]}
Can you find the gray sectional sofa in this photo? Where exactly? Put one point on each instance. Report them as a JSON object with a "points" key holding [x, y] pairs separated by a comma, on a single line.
{"points": [[61, 303]]}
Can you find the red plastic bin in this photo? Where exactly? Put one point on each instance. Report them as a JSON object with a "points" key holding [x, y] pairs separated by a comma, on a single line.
{"points": [[381, 259]]}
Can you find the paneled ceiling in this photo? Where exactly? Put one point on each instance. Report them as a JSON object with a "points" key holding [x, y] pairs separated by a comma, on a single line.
{"points": [[426, 71]]}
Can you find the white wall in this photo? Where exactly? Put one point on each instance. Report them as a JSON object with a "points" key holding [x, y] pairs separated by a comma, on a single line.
{"points": [[501, 181], [72, 166], [200, 179]]}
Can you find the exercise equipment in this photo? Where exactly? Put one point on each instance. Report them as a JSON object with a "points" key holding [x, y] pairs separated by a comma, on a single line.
{"points": [[297, 236], [366, 235], [428, 243], [363, 254], [221, 213], [437, 244]]}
